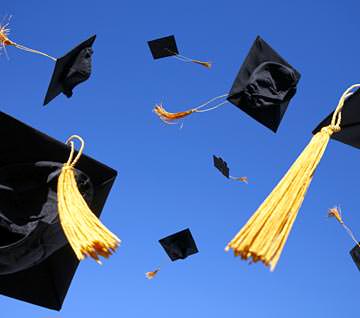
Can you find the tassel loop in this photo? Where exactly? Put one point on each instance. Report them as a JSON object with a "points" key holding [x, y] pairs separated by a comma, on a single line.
{"points": [[73, 161]]}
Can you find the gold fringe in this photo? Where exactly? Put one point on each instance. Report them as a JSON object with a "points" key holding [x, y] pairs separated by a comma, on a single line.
{"points": [[265, 234], [84, 231], [151, 275], [5, 41], [170, 117]]}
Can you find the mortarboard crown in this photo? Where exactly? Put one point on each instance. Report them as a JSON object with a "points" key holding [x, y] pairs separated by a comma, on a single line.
{"points": [[179, 245], [264, 85], [36, 262], [71, 70]]}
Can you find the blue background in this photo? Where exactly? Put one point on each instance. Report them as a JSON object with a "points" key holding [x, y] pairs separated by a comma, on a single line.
{"points": [[166, 180]]}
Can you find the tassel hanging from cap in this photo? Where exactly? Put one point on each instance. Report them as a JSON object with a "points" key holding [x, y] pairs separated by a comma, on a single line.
{"points": [[84, 231], [170, 118], [336, 213], [189, 60], [5, 41], [265, 234]]}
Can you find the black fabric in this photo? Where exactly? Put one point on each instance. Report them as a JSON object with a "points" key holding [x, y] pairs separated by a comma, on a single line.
{"points": [[163, 47], [29, 226], [70, 70], [221, 165], [46, 283], [350, 122], [264, 85], [179, 245], [79, 72], [355, 254]]}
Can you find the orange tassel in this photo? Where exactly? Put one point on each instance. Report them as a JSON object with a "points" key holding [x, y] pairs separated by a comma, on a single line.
{"points": [[151, 275], [205, 64], [4, 40], [335, 213], [242, 179], [169, 117]]}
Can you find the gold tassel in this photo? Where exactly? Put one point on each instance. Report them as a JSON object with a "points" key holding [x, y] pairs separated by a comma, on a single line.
{"points": [[265, 234], [84, 231], [170, 117], [5, 41], [336, 213], [151, 275], [205, 64], [241, 179]]}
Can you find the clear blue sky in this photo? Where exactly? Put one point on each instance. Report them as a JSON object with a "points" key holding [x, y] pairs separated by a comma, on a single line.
{"points": [[166, 179]]}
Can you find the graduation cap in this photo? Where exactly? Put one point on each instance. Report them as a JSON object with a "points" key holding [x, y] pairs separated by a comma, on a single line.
{"points": [[350, 122], [166, 46], [263, 88], [177, 246], [37, 262], [222, 166], [71, 70], [276, 215]]}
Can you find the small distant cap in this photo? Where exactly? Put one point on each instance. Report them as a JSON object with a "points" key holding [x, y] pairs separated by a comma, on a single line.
{"points": [[179, 245], [163, 47], [71, 70], [222, 166], [264, 85]]}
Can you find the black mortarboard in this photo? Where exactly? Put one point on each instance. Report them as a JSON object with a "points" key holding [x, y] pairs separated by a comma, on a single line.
{"points": [[163, 47], [355, 254], [179, 245], [350, 122], [264, 85], [70, 70], [222, 166], [36, 262]]}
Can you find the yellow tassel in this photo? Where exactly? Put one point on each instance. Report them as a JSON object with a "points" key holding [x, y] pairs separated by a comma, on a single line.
{"points": [[205, 64], [265, 234], [335, 213], [84, 231], [151, 275]]}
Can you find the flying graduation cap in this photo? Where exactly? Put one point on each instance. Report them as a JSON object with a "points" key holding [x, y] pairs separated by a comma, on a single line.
{"points": [[70, 70], [262, 89], [222, 166], [177, 246], [44, 206], [264, 235], [355, 251], [166, 47]]}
